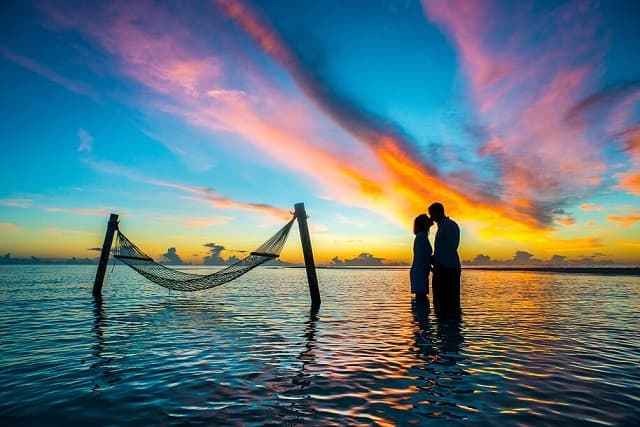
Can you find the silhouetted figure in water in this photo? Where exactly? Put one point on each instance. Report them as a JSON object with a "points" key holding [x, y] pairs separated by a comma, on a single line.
{"points": [[421, 265], [445, 260]]}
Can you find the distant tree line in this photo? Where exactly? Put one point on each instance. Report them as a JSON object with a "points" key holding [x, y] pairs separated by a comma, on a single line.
{"points": [[7, 259]]}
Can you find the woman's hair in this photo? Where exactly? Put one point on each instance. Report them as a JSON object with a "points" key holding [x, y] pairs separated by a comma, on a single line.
{"points": [[422, 223]]}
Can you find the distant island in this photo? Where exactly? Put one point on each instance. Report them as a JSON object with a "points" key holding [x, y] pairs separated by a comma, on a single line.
{"points": [[613, 271], [7, 259], [366, 262]]}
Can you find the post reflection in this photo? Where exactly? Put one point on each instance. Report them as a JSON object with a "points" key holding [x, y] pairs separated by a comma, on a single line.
{"points": [[102, 367], [307, 356]]}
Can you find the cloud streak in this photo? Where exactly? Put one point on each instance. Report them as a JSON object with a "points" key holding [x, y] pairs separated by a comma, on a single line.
{"points": [[79, 211], [199, 194], [44, 71], [626, 220], [16, 203]]}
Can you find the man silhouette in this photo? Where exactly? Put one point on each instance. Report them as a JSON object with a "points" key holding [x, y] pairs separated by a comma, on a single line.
{"points": [[446, 262]]}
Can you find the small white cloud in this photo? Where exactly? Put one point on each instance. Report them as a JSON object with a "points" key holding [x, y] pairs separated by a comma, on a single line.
{"points": [[194, 222], [16, 203], [227, 94], [318, 227], [86, 141], [342, 219], [79, 211]]}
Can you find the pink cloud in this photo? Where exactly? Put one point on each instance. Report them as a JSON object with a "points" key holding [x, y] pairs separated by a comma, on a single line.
{"points": [[466, 21], [151, 47], [523, 86], [632, 143]]}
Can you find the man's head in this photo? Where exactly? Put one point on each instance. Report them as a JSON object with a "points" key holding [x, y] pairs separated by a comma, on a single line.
{"points": [[436, 212]]}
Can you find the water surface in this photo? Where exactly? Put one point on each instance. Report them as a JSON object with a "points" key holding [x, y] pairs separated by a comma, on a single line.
{"points": [[529, 348]]}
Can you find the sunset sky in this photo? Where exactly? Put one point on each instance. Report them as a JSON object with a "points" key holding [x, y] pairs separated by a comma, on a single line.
{"points": [[205, 121]]}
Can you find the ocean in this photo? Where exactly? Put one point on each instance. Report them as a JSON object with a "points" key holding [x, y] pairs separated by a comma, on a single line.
{"points": [[530, 348]]}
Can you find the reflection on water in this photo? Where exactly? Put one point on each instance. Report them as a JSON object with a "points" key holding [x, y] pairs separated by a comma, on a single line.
{"points": [[307, 355], [102, 368], [526, 348], [441, 375]]}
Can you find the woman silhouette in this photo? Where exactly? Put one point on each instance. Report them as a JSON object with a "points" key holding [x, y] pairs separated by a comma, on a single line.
{"points": [[421, 265]]}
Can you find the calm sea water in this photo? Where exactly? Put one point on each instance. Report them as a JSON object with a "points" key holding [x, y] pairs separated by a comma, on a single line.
{"points": [[530, 348]]}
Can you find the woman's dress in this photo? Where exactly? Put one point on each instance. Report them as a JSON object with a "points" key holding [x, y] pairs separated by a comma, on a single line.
{"points": [[421, 265]]}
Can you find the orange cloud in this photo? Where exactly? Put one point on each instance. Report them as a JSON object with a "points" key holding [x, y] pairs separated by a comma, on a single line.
{"points": [[566, 221], [590, 207], [9, 227], [629, 181], [625, 220]]}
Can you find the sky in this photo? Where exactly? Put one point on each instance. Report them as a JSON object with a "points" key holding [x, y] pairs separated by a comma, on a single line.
{"points": [[202, 123]]}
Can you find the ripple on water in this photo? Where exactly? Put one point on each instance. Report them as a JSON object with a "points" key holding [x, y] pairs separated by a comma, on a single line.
{"points": [[528, 349]]}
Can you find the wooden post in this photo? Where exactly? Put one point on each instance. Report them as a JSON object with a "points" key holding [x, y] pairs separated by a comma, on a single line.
{"points": [[104, 256], [301, 216]]}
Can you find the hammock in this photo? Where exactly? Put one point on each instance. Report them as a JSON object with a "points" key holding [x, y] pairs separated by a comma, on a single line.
{"points": [[127, 252]]}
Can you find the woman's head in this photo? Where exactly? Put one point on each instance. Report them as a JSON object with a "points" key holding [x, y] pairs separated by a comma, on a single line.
{"points": [[422, 223]]}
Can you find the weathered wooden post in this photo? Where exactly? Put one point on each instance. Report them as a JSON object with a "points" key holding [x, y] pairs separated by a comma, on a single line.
{"points": [[104, 256], [307, 252]]}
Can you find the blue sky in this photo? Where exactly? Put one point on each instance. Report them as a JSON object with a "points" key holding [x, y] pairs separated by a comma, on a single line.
{"points": [[206, 121]]}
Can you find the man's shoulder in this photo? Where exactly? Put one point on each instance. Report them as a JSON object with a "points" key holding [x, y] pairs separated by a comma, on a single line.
{"points": [[450, 222]]}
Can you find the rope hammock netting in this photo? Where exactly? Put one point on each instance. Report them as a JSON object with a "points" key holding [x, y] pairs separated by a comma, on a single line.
{"points": [[127, 252]]}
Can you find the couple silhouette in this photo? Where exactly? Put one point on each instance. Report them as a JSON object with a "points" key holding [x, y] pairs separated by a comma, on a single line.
{"points": [[443, 260]]}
